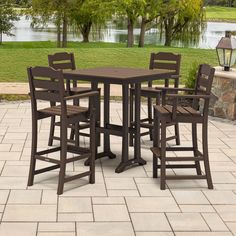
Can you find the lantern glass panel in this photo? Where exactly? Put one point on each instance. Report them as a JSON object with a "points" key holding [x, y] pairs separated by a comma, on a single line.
{"points": [[220, 52], [233, 57]]}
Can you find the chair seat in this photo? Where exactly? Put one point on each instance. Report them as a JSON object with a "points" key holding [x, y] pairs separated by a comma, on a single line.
{"points": [[149, 91], [182, 111], [71, 110], [80, 89]]}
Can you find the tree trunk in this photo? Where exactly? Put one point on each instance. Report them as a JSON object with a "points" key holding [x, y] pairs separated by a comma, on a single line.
{"points": [[130, 27], [142, 32], [85, 31], [0, 37], [64, 31], [58, 35], [168, 32]]}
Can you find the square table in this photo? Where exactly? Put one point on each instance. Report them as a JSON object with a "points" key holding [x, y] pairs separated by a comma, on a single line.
{"points": [[124, 77]]}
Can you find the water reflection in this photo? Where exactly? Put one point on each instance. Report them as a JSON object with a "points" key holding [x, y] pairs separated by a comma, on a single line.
{"points": [[117, 33]]}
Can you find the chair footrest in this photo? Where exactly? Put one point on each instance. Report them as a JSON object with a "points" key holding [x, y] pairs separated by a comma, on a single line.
{"points": [[169, 177], [70, 178]]}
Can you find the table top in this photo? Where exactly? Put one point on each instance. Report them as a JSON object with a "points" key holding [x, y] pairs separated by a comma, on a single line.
{"points": [[117, 75]]}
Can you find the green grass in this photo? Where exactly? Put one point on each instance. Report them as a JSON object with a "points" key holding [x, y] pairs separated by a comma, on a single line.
{"points": [[16, 57], [221, 13]]}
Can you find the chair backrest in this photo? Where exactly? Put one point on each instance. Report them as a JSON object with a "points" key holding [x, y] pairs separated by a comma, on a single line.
{"points": [[203, 85], [46, 84], [166, 61], [62, 61], [204, 79]]}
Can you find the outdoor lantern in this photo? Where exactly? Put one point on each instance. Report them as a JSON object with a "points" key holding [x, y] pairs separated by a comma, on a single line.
{"points": [[226, 51]]}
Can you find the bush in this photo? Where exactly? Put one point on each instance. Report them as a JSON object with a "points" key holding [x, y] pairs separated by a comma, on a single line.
{"points": [[189, 82]]}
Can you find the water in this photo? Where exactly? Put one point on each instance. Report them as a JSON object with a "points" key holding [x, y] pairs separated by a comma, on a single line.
{"points": [[112, 33]]}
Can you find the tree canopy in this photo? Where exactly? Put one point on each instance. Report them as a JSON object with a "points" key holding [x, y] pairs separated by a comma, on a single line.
{"points": [[7, 16]]}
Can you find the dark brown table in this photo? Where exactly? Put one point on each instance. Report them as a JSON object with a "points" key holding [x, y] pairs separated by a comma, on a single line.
{"points": [[124, 77]]}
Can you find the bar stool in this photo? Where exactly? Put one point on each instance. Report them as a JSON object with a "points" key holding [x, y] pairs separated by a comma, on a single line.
{"points": [[66, 61], [47, 84], [158, 61], [184, 114]]}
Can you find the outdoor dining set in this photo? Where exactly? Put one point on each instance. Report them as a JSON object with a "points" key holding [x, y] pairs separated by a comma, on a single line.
{"points": [[58, 85]]}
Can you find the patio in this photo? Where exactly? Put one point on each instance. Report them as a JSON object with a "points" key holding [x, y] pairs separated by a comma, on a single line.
{"points": [[130, 203]]}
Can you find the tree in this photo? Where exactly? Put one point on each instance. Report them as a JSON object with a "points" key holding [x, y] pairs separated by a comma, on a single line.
{"points": [[131, 9], [7, 17], [149, 12], [92, 12], [181, 19], [58, 11]]}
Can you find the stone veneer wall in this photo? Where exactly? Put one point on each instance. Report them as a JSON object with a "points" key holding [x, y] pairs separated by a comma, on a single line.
{"points": [[223, 101]]}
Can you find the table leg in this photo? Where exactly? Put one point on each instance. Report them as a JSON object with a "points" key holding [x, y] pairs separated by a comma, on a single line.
{"points": [[125, 129], [107, 150], [98, 113], [137, 144]]}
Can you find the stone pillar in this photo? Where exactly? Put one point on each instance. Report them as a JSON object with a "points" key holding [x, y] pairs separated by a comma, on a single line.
{"points": [[223, 103]]}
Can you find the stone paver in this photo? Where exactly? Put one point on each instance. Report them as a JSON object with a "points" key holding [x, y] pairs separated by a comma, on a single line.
{"points": [[127, 204]]}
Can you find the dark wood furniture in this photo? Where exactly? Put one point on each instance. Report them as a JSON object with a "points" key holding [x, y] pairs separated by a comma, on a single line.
{"points": [[66, 61], [47, 84], [123, 77], [158, 61], [184, 114]]}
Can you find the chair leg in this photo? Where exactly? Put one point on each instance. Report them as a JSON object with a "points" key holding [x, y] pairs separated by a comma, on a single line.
{"points": [[156, 142], [177, 139], [150, 118], [205, 154], [131, 118], [63, 154], [195, 148], [74, 134], [93, 147], [77, 134], [33, 151], [163, 155], [52, 130]]}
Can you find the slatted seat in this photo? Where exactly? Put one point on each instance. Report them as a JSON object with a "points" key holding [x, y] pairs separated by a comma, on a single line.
{"points": [[66, 61], [47, 84], [71, 110], [158, 61], [165, 114]]}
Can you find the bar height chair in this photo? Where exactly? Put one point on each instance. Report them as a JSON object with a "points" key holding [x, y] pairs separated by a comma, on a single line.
{"points": [[66, 61], [158, 61], [163, 114], [47, 84]]}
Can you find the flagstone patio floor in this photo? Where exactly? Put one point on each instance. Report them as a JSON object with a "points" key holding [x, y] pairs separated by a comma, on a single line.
{"points": [[127, 204]]}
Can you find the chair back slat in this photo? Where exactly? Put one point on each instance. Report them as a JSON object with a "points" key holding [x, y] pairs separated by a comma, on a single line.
{"points": [[47, 96], [62, 66], [44, 84], [165, 66]]}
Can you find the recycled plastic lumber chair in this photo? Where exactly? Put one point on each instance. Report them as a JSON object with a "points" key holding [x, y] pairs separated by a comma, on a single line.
{"points": [[158, 61], [164, 114], [47, 84], [66, 61]]}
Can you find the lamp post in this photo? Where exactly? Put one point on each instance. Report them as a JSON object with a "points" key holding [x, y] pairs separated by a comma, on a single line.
{"points": [[226, 51]]}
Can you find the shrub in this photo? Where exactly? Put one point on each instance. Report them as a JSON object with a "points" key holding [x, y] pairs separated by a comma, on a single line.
{"points": [[189, 82]]}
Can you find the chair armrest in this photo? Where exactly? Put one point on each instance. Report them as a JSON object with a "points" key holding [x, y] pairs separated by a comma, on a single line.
{"points": [[196, 96], [175, 89], [82, 95], [175, 76]]}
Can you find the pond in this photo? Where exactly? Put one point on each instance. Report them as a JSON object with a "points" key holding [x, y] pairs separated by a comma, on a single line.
{"points": [[114, 33]]}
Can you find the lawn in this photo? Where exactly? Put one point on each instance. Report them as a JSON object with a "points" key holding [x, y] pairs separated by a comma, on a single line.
{"points": [[16, 57], [217, 13]]}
